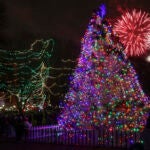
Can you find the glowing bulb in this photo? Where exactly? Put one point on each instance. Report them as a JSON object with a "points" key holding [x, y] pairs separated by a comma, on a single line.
{"points": [[148, 58]]}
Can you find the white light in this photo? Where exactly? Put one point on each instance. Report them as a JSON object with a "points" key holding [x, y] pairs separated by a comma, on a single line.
{"points": [[148, 58]]}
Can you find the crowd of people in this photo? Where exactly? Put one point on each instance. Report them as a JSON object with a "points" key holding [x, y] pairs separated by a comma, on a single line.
{"points": [[15, 125]]}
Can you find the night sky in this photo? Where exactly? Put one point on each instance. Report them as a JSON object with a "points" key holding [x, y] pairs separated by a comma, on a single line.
{"points": [[23, 21]]}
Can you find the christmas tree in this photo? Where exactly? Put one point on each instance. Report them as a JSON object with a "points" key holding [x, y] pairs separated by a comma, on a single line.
{"points": [[104, 90]]}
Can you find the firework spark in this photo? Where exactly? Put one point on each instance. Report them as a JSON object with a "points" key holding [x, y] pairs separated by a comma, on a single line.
{"points": [[133, 29]]}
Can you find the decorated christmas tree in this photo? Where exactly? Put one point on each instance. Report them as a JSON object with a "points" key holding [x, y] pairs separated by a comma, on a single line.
{"points": [[104, 89]]}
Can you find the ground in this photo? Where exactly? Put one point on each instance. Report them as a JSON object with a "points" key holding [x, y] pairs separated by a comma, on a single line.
{"points": [[13, 145]]}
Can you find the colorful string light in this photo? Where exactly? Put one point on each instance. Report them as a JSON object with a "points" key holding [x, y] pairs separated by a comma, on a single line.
{"points": [[105, 90]]}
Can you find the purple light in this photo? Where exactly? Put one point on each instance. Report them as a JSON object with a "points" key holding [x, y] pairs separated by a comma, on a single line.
{"points": [[102, 10]]}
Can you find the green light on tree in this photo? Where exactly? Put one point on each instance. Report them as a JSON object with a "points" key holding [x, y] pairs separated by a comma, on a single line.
{"points": [[24, 74]]}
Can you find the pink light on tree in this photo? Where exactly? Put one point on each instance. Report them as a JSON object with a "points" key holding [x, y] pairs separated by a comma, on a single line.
{"points": [[133, 29]]}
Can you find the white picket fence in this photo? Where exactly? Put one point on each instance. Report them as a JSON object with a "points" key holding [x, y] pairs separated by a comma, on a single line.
{"points": [[100, 137]]}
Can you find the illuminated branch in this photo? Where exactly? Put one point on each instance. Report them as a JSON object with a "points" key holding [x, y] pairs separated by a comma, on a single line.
{"points": [[24, 73]]}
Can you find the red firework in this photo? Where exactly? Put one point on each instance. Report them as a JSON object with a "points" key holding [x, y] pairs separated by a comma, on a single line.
{"points": [[133, 29]]}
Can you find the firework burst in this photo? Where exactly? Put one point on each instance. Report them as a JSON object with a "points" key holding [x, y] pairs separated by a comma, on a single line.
{"points": [[133, 29]]}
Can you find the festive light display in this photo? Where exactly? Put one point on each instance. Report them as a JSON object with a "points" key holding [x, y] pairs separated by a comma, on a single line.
{"points": [[105, 90], [62, 73], [133, 29], [24, 74]]}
